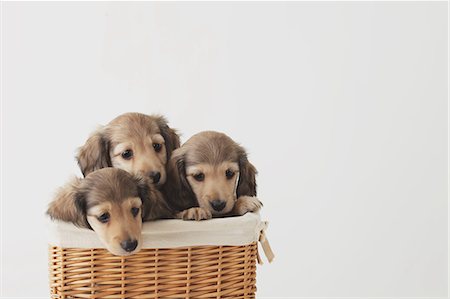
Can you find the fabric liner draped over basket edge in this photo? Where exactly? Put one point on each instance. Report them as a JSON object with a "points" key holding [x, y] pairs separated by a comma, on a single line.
{"points": [[173, 233]]}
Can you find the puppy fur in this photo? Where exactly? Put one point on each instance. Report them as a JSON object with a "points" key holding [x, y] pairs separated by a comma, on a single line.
{"points": [[210, 175], [114, 204], [138, 143]]}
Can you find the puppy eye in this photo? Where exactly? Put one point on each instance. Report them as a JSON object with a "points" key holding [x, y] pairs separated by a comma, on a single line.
{"points": [[229, 174], [103, 218], [128, 154], [157, 147], [135, 211], [199, 177]]}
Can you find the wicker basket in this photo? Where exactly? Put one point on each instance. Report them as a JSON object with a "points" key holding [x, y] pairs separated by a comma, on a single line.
{"points": [[221, 263]]}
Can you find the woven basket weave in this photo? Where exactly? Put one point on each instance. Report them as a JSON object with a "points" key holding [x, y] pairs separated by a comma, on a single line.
{"points": [[211, 271], [192, 272]]}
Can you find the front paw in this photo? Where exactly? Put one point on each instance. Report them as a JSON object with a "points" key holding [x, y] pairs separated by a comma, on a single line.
{"points": [[195, 214], [246, 204]]}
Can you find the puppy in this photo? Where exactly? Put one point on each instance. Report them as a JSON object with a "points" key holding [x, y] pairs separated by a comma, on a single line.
{"points": [[113, 203], [210, 175], [138, 143]]}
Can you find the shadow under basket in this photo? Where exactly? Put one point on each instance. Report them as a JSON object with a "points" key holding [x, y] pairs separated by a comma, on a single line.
{"points": [[179, 259]]}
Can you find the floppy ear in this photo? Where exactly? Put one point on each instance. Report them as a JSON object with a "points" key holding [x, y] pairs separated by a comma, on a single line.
{"points": [[177, 190], [171, 138], [94, 154], [153, 204], [181, 173], [69, 205], [247, 177], [142, 187]]}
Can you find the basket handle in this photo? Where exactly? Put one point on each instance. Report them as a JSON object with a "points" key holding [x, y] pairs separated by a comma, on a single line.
{"points": [[265, 244]]}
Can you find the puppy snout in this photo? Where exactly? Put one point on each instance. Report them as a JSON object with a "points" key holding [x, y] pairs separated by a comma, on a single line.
{"points": [[155, 176], [218, 205], [129, 245]]}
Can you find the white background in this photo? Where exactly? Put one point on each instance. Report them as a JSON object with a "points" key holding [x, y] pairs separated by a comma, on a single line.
{"points": [[342, 107]]}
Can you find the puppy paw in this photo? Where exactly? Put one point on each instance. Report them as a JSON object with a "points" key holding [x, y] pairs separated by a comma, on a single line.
{"points": [[194, 214], [246, 204]]}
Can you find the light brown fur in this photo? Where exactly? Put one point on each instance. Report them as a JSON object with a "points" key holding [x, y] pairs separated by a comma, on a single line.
{"points": [[112, 192], [211, 155], [135, 132]]}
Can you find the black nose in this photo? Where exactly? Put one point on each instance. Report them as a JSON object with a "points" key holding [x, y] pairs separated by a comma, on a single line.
{"points": [[156, 176], [129, 245], [218, 205]]}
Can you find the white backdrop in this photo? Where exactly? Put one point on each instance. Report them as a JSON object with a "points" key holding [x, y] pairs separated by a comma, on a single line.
{"points": [[342, 107]]}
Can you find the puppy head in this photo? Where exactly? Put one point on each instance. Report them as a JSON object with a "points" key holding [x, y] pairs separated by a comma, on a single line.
{"points": [[110, 201], [216, 171], [138, 143]]}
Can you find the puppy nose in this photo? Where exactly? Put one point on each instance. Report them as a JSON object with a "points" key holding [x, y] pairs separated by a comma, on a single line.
{"points": [[156, 176], [218, 205], [129, 245]]}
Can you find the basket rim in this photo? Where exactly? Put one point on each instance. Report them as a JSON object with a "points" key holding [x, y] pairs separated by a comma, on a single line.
{"points": [[168, 233]]}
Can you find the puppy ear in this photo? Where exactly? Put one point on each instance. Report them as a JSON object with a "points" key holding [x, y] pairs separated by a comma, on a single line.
{"points": [[171, 137], [247, 177], [143, 186], [94, 154], [153, 204], [181, 173], [157, 207], [177, 190], [69, 205], [180, 170]]}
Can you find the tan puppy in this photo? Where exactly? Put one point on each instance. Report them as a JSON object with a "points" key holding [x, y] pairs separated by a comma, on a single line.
{"points": [[113, 203], [210, 175], [138, 143]]}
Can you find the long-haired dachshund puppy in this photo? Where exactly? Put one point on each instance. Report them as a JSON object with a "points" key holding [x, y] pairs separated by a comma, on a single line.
{"points": [[113, 203], [210, 175], [135, 142]]}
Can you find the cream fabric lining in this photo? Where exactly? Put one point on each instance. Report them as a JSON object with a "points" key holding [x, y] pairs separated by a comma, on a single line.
{"points": [[233, 231]]}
